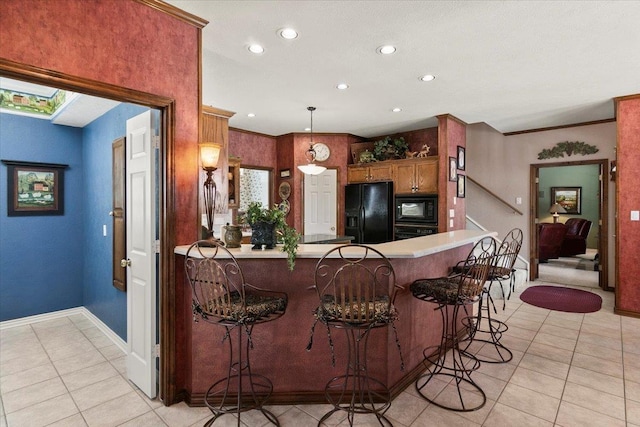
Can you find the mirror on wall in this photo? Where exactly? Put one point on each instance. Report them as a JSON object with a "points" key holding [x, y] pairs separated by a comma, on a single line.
{"points": [[255, 186]]}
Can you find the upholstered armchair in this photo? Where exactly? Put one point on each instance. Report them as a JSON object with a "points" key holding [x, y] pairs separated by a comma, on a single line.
{"points": [[575, 241], [550, 238]]}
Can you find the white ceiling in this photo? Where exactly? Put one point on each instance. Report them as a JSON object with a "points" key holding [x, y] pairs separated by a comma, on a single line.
{"points": [[515, 65]]}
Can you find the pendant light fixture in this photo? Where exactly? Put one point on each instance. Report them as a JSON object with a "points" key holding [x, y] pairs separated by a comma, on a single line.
{"points": [[311, 168]]}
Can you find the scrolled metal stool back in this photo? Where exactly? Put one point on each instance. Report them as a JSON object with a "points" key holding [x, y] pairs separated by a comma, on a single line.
{"points": [[356, 288]]}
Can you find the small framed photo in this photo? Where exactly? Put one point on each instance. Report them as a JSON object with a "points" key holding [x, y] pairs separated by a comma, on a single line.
{"points": [[461, 159], [285, 173], [34, 188], [453, 166], [570, 198], [462, 183]]}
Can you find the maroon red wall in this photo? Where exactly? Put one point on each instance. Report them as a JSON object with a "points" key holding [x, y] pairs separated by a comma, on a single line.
{"points": [[255, 149], [451, 134], [123, 43], [628, 199]]}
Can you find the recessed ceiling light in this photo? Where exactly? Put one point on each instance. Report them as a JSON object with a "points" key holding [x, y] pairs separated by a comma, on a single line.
{"points": [[307, 129], [427, 77], [251, 115], [342, 86], [256, 48], [397, 110], [288, 33], [386, 49]]}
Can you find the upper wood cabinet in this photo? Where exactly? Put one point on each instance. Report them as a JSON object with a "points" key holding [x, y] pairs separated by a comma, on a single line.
{"points": [[380, 171], [415, 176]]}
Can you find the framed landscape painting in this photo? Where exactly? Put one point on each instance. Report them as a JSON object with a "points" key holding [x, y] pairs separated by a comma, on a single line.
{"points": [[34, 188], [569, 198]]}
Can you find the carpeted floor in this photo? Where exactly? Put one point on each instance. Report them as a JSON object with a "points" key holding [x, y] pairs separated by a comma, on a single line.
{"points": [[578, 270]]}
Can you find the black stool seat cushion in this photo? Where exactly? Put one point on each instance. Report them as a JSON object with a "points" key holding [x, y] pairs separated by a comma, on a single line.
{"points": [[258, 308], [378, 310], [443, 290]]}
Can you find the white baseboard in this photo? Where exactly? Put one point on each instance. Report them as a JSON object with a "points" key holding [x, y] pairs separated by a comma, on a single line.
{"points": [[40, 317], [115, 338]]}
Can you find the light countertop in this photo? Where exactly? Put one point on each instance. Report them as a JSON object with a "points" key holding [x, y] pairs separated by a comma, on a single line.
{"points": [[416, 247]]}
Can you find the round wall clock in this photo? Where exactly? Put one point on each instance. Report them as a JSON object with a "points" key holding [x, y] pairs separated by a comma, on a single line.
{"points": [[322, 151]]}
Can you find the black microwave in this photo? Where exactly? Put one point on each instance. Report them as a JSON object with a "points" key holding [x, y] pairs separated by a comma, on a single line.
{"points": [[417, 209]]}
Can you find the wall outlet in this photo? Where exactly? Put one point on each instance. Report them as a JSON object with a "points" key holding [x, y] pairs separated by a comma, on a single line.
{"points": [[518, 200], [635, 215], [450, 223], [452, 213]]}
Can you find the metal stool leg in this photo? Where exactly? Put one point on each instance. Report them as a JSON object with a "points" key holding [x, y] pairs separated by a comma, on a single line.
{"points": [[241, 390], [453, 364], [355, 392], [490, 328]]}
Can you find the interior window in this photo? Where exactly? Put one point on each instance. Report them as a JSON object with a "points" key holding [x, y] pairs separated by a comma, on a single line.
{"points": [[255, 186]]}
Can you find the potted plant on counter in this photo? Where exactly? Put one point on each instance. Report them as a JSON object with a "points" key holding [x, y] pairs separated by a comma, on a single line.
{"points": [[268, 227]]}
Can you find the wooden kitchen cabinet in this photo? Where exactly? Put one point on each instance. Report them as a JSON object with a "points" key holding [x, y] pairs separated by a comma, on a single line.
{"points": [[415, 176], [380, 171]]}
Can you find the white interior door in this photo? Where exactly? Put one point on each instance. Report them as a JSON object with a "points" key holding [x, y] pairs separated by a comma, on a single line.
{"points": [[320, 203], [141, 257]]}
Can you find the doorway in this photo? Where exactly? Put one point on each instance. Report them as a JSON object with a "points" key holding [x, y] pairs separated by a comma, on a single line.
{"points": [[165, 107], [320, 203], [592, 204]]}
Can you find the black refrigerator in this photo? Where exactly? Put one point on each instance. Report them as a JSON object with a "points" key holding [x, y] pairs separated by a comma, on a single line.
{"points": [[369, 212]]}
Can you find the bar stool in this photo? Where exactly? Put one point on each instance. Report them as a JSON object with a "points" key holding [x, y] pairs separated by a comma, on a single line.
{"points": [[484, 328], [450, 294], [221, 297], [356, 286]]}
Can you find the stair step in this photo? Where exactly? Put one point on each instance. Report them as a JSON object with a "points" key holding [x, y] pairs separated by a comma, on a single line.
{"points": [[521, 277]]}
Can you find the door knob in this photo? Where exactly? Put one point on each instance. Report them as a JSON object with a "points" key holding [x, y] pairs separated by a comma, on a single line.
{"points": [[124, 263]]}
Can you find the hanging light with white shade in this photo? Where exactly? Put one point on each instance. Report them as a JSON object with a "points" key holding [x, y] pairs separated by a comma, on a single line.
{"points": [[311, 168]]}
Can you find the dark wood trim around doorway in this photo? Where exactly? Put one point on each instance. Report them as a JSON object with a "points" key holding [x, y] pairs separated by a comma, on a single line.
{"points": [[167, 220], [603, 240]]}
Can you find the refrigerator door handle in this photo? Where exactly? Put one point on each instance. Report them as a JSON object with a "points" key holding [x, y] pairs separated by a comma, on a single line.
{"points": [[361, 222]]}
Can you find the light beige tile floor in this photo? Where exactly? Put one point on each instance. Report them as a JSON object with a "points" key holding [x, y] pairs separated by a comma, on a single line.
{"points": [[568, 370]]}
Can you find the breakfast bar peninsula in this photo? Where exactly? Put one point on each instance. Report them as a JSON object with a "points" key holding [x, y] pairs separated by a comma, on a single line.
{"points": [[298, 375]]}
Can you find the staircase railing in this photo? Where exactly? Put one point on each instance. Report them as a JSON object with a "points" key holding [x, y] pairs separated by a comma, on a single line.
{"points": [[520, 259], [494, 195]]}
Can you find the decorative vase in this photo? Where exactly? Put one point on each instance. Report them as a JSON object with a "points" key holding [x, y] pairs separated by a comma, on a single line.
{"points": [[263, 234], [233, 236]]}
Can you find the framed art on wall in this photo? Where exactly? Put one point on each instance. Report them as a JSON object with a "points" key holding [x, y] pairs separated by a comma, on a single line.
{"points": [[462, 183], [570, 198], [34, 188], [461, 158], [453, 166]]}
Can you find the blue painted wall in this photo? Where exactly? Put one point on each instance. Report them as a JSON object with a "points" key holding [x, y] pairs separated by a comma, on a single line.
{"points": [[41, 257], [99, 295], [50, 263]]}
